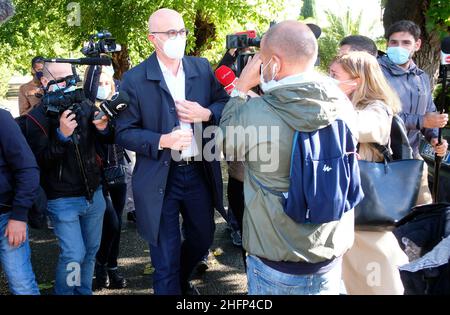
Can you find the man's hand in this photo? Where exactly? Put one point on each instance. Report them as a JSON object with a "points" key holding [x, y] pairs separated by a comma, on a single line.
{"points": [[250, 75], [440, 149], [67, 123], [192, 112], [435, 120], [101, 123], [16, 232], [176, 140]]}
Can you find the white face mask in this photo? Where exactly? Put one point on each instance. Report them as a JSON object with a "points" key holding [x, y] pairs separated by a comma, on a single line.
{"points": [[266, 86], [103, 92], [174, 48], [56, 87]]}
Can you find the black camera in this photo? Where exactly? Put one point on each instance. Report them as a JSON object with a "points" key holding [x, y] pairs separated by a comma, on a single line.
{"points": [[106, 44], [56, 102], [241, 41]]}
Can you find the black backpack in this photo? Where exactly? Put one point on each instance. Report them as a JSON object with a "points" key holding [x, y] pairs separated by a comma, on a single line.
{"points": [[37, 214], [422, 230]]}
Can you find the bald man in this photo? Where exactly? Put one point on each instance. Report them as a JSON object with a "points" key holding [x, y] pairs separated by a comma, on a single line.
{"points": [[171, 95], [75, 200], [285, 257]]}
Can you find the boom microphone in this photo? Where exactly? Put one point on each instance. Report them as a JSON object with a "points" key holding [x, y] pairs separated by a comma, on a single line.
{"points": [[226, 77], [82, 61], [6, 10], [445, 51]]}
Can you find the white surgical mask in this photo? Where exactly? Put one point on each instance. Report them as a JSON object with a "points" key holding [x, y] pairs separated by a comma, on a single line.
{"points": [[272, 83], [56, 87], [174, 48], [103, 92]]}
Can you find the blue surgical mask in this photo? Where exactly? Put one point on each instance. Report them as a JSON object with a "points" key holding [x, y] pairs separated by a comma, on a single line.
{"points": [[398, 55], [56, 87], [266, 86], [103, 92]]}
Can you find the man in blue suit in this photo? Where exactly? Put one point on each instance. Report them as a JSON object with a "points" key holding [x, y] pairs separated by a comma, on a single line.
{"points": [[170, 96]]}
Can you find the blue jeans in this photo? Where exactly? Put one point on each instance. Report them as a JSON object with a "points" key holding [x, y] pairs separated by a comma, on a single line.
{"points": [[263, 280], [16, 263], [78, 227]]}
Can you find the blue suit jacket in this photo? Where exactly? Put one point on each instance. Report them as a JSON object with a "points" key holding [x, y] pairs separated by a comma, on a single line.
{"points": [[150, 114]]}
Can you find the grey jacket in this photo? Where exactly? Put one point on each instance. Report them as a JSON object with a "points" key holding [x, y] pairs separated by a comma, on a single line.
{"points": [[414, 89], [269, 123]]}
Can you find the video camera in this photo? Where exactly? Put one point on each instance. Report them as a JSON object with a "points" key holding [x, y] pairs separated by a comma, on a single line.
{"points": [[106, 44], [245, 44]]}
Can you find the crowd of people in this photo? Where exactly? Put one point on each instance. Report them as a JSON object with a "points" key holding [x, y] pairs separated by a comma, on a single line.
{"points": [[80, 159]]}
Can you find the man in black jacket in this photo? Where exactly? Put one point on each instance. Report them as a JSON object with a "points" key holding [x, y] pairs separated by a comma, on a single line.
{"points": [[64, 147], [19, 182]]}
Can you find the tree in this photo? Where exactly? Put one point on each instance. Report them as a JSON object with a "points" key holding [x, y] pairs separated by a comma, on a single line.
{"points": [[41, 27], [433, 18], [339, 27], [308, 9]]}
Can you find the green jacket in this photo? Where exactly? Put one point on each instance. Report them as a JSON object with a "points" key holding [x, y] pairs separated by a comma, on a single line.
{"points": [[269, 123]]}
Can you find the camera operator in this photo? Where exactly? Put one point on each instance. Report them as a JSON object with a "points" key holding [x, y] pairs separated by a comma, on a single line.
{"points": [[64, 146]]}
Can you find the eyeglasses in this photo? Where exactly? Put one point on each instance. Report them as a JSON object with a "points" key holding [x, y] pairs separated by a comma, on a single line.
{"points": [[172, 34]]}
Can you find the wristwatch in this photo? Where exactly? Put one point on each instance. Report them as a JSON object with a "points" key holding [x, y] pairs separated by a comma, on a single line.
{"points": [[236, 92]]}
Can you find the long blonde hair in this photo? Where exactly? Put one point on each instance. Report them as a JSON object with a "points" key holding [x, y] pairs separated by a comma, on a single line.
{"points": [[373, 85]]}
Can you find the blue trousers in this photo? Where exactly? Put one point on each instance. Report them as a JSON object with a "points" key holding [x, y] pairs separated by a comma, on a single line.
{"points": [[16, 262], [78, 227], [188, 193]]}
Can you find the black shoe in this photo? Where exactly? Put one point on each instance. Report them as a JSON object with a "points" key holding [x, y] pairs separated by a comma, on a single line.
{"points": [[131, 216], [101, 277], [203, 265], [117, 281], [191, 290]]}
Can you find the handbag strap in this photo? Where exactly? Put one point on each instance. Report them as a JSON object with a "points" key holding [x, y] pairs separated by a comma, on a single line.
{"points": [[384, 150]]}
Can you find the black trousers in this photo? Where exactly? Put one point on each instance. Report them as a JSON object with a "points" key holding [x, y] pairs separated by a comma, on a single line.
{"points": [[112, 225], [236, 202]]}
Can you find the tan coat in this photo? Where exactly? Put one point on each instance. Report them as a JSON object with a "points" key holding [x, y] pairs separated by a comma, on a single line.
{"points": [[27, 98], [370, 266]]}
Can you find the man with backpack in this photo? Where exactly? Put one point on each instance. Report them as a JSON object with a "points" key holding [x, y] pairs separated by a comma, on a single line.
{"points": [[19, 182], [298, 220]]}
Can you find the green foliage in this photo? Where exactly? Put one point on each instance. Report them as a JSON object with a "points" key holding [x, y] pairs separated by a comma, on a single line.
{"points": [[40, 26], [438, 17], [339, 27], [308, 9], [5, 76]]}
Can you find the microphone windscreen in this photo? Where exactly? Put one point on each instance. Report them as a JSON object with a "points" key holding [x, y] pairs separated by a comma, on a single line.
{"points": [[445, 45], [225, 75], [96, 61]]}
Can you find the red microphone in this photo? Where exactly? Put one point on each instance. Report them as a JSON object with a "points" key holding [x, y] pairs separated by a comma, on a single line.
{"points": [[226, 77]]}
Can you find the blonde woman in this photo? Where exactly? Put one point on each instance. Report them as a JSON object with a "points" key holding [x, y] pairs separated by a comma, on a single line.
{"points": [[371, 265]]}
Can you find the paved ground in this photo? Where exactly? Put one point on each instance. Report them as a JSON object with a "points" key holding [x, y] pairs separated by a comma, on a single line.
{"points": [[225, 275]]}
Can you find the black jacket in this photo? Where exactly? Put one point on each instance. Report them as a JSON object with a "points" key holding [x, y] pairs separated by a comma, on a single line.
{"points": [[19, 173], [60, 171]]}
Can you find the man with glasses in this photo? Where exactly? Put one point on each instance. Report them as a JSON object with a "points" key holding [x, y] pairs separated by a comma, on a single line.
{"points": [[170, 96]]}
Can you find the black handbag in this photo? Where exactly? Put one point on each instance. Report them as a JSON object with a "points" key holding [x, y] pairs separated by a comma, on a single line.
{"points": [[114, 174], [390, 191]]}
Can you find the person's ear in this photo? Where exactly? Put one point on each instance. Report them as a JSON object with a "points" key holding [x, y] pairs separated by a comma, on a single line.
{"points": [[418, 44], [277, 65]]}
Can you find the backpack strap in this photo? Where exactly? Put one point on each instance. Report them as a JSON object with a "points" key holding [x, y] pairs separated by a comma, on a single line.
{"points": [[37, 123], [261, 185]]}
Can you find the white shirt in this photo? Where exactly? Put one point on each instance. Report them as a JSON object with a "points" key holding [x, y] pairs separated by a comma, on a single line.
{"points": [[176, 85]]}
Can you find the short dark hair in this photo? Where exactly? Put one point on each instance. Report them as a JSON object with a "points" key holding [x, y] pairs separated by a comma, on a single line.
{"points": [[404, 26], [360, 43], [37, 59]]}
